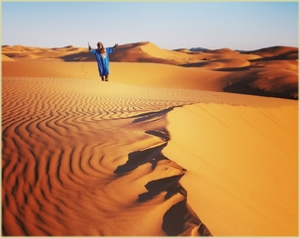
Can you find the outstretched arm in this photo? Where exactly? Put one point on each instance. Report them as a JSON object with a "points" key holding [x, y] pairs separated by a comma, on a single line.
{"points": [[91, 50]]}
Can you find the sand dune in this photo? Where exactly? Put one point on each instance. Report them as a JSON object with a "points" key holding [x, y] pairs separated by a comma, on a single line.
{"points": [[64, 143], [275, 51], [160, 150], [149, 52], [252, 153], [158, 75], [90, 158], [19, 52], [6, 58], [261, 72]]}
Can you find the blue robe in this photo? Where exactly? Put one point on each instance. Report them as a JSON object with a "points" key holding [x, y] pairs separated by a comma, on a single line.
{"points": [[103, 60]]}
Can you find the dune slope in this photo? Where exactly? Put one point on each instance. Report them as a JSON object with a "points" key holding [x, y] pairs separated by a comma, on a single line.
{"points": [[79, 160], [242, 165]]}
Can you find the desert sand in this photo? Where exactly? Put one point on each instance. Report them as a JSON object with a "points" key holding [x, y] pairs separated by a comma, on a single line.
{"points": [[177, 143]]}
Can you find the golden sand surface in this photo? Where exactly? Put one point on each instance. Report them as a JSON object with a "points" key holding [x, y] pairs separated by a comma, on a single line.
{"points": [[159, 150]]}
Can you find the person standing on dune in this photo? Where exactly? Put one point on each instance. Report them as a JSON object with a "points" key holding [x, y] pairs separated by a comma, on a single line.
{"points": [[102, 58]]}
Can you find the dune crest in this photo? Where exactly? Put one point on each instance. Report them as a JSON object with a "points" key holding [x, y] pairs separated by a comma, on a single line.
{"points": [[274, 51], [73, 160]]}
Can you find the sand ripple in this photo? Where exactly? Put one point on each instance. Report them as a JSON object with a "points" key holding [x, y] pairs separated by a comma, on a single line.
{"points": [[82, 157]]}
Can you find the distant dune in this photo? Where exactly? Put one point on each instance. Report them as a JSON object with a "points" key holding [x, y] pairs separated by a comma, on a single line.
{"points": [[276, 51], [6, 58], [270, 71], [162, 149], [19, 52]]}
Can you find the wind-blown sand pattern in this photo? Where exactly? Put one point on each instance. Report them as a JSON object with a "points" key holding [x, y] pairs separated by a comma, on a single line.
{"points": [[66, 143], [82, 157]]}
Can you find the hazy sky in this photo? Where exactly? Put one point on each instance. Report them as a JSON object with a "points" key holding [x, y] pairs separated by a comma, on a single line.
{"points": [[169, 25]]}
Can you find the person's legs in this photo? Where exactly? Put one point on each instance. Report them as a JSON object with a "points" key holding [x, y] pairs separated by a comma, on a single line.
{"points": [[104, 78]]}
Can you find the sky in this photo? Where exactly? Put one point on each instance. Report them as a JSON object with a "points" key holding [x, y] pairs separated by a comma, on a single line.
{"points": [[169, 25]]}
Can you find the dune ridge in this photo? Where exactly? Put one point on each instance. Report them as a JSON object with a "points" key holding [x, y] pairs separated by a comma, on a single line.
{"points": [[70, 183]]}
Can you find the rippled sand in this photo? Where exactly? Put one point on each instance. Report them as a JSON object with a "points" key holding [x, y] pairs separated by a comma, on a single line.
{"points": [[159, 150], [67, 147], [84, 157]]}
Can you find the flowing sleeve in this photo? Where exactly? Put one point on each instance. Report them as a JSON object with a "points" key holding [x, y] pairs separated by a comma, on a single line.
{"points": [[92, 50], [109, 50]]}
